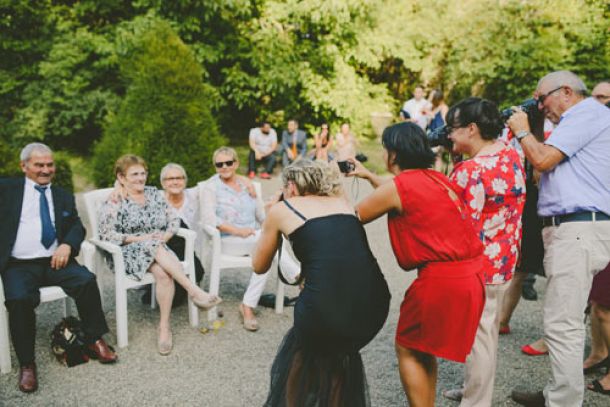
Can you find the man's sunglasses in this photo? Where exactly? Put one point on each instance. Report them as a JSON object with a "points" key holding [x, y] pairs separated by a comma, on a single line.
{"points": [[224, 163]]}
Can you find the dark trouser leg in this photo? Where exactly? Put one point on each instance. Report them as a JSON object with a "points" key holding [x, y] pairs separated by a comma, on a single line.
{"points": [[285, 160], [269, 162], [22, 322], [252, 161], [80, 284], [21, 281]]}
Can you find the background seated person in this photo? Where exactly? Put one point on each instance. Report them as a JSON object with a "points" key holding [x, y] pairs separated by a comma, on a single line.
{"points": [[345, 143], [294, 143], [263, 142], [41, 234], [237, 215], [141, 222], [323, 143]]}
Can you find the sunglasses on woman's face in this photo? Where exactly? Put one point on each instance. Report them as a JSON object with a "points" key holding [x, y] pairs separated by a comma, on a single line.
{"points": [[220, 164]]}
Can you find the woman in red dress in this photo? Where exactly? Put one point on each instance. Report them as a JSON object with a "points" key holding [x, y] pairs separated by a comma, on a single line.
{"points": [[430, 231]]}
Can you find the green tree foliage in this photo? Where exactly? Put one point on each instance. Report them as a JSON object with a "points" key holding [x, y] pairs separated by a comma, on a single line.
{"points": [[165, 115], [63, 74]]}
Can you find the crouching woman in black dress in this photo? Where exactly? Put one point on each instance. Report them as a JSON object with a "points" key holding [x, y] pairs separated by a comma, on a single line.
{"points": [[344, 301]]}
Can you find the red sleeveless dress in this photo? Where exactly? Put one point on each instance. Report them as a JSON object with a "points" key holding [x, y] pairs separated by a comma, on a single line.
{"points": [[441, 310]]}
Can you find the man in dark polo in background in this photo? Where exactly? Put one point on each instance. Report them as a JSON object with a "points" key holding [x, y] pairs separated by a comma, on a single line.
{"points": [[574, 203], [40, 235]]}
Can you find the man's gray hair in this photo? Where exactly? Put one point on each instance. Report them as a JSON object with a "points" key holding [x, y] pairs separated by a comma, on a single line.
{"points": [[565, 78], [172, 166], [28, 150]]}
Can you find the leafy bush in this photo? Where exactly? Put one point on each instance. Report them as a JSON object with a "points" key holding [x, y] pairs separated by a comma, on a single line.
{"points": [[165, 115]]}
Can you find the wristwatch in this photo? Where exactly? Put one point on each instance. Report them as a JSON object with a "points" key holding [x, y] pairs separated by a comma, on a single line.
{"points": [[521, 134]]}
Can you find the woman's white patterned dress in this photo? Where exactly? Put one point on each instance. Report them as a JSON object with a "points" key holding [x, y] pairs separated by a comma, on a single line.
{"points": [[126, 217]]}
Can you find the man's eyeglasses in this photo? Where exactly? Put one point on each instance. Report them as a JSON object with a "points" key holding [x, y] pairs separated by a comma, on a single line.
{"points": [[224, 163], [541, 98], [173, 179]]}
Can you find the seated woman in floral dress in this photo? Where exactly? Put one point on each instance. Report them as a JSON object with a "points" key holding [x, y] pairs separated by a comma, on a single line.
{"points": [[140, 220]]}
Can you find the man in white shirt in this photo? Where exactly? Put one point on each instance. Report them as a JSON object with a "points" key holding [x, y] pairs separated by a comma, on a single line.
{"points": [[417, 107], [263, 141], [40, 235]]}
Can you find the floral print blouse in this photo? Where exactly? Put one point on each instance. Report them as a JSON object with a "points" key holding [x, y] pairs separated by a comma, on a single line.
{"points": [[222, 204], [493, 188]]}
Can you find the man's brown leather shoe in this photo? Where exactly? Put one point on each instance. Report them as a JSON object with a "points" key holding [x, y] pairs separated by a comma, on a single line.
{"points": [[102, 352], [528, 399], [27, 378]]}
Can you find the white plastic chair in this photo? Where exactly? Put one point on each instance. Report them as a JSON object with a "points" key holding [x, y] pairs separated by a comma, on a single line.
{"points": [[212, 246], [93, 202], [47, 294]]}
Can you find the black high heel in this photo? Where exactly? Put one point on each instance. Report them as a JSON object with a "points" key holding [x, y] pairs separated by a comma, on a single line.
{"points": [[599, 365]]}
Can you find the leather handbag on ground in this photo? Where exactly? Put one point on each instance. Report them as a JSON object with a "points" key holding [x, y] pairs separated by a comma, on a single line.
{"points": [[68, 342]]}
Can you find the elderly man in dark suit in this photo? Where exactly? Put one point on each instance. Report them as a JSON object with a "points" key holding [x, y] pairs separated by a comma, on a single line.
{"points": [[40, 235], [294, 143]]}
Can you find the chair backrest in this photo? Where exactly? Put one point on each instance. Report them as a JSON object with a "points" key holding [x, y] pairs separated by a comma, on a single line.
{"points": [[93, 202]]}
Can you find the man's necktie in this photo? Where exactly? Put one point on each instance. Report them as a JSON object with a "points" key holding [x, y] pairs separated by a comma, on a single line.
{"points": [[48, 230]]}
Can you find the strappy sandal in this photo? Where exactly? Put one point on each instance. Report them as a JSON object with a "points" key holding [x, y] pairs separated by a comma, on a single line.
{"points": [[597, 387]]}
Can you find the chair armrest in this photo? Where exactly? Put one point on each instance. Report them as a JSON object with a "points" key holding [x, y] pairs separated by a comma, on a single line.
{"points": [[210, 230], [189, 237], [106, 246], [187, 234], [117, 256]]}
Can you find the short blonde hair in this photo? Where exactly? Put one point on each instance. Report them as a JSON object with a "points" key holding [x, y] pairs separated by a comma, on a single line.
{"points": [[225, 150], [128, 160], [313, 177]]}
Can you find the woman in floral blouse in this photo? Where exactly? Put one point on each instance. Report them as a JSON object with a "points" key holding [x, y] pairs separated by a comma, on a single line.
{"points": [[492, 185], [140, 220], [229, 204]]}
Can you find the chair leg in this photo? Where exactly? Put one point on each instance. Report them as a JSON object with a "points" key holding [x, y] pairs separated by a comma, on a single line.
{"points": [[121, 317], [214, 288], [153, 296], [67, 307], [192, 308], [5, 348]]}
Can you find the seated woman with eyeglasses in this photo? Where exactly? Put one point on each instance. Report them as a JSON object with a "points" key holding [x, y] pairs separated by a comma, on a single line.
{"points": [[140, 220], [230, 207]]}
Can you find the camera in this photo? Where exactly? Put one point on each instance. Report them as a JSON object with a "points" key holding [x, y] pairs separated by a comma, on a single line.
{"points": [[530, 107], [440, 137], [346, 166], [534, 116]]}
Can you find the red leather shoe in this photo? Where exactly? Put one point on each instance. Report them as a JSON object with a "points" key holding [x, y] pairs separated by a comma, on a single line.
{"points": [[529, 351], [102, 352], [265, 175], [504, 330], [251, 174], [27, 378]]}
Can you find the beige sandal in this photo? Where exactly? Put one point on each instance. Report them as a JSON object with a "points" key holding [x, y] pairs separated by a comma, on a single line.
{"points": [[250, 324]]}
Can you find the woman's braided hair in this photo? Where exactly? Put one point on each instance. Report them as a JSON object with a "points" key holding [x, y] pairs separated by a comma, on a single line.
{"points": [[313, 177]]}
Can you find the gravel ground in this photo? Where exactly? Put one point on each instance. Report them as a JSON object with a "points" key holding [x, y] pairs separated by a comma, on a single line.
{"points": [[230, 367]]}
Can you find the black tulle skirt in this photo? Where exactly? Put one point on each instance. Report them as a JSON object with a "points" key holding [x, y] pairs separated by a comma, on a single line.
{"points": [[305, 375]]}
